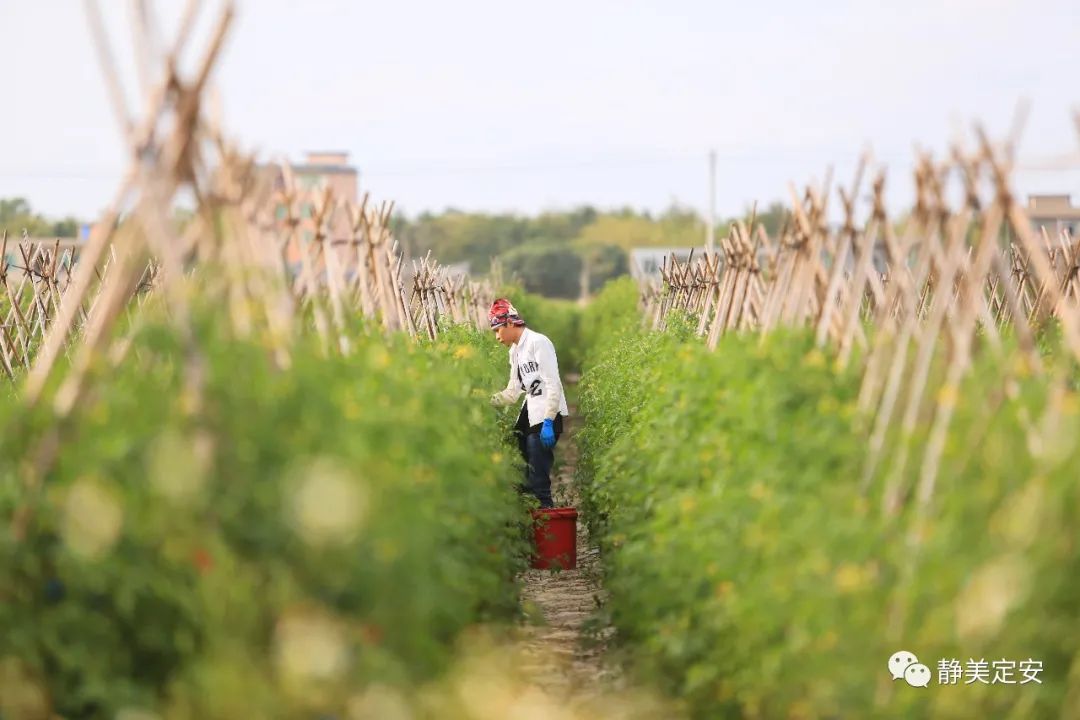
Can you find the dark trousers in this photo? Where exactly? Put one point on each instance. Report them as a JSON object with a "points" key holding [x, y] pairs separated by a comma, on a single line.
{"points": [[538, 461]]}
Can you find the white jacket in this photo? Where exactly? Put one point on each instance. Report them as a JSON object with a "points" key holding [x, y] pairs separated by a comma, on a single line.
{"points": [[534, 370]]}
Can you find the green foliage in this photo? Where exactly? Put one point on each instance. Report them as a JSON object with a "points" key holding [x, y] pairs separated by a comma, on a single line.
{"points": [[603, 263], [750, 576], [456, 237], [551, 268], [306, 532], [678, 227], [565, 270], [613, 312], [16, 215], [548, 251]]}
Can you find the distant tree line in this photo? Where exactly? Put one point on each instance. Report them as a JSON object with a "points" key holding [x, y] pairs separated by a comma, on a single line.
{"points": [[567, 254], [16, 215]]}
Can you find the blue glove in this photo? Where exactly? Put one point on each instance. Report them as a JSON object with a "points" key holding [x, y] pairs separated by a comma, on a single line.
{"points": [[547, 434]]}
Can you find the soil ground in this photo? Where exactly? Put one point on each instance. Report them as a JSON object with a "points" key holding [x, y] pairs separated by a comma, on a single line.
{"points": [[565, 653]]}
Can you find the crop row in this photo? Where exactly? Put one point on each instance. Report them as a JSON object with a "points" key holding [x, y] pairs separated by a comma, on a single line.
{"points": [[265, 549], [753, 572]]}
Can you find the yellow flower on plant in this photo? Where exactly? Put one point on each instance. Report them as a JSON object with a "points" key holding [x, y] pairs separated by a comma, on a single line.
{"points": [[1020, 516], [463, 352], [815, 359], [21, 694], [827, 405], [849, 578], [994, 589], [91, 519], [329, 505], [754, 537], [178, 465], [828, 640], [948, 395], [1021, 366], [379, 357], [309, 646], [99, 413], [387, 551], [136, 714], [189, 401], [378, 701], [800, 709]]}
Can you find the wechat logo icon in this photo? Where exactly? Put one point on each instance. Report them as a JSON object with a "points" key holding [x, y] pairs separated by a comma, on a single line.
{"points": [[905, 665]]}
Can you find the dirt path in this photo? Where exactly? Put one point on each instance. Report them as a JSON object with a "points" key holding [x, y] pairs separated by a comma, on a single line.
{"points": [[560, 653]]}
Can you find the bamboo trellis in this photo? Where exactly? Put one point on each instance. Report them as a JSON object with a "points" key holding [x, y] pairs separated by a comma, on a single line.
{"points": [[959, 273], [280, 263], [907, 305], [259, 257], [839, 281]]}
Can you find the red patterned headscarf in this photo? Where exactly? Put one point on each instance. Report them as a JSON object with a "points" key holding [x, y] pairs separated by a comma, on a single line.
{"points": [[502, 312]]}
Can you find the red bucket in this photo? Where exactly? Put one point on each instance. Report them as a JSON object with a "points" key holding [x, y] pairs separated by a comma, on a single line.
{"points": [[555, 538]]}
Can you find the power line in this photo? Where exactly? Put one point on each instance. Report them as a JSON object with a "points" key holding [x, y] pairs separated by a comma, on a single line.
{"points": [[1058, 164], [435, 167]]}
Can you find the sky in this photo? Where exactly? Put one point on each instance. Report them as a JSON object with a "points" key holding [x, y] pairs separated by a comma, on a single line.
{"points": [[526, 107]]}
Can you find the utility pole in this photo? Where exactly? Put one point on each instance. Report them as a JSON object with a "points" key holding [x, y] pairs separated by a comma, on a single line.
{"points": [[710, 228]]}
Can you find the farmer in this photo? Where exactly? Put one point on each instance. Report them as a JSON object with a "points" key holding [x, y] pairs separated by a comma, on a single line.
{"points": [[534, 370]]}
